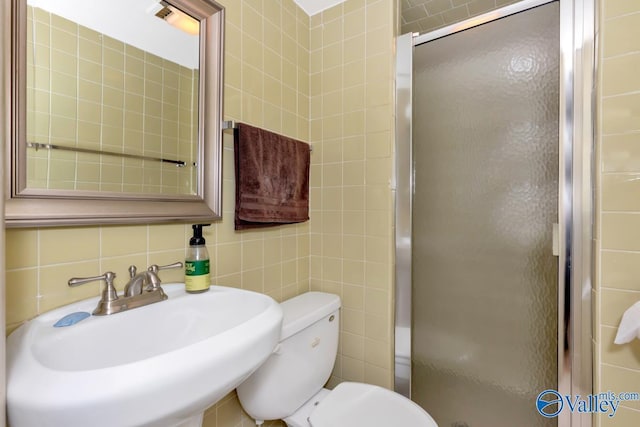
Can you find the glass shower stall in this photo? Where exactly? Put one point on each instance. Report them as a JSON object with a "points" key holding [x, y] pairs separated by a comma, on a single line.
{"points": [[486, 220]]}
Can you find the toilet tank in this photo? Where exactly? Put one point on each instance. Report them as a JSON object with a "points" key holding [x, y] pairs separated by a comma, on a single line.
{"points": [[301, 363]]}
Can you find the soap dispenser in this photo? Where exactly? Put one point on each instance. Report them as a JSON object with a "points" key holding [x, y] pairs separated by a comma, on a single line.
{"points": [[197, 276]]}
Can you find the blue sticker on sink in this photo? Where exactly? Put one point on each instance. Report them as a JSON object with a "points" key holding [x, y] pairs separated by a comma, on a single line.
{"points": [[71, 319]]}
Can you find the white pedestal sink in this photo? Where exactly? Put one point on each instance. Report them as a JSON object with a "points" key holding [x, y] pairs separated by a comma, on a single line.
{"points": [[159, 365]]}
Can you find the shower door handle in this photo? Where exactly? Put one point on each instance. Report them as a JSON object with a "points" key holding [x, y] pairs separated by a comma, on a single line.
{"points": [[556, 240]]}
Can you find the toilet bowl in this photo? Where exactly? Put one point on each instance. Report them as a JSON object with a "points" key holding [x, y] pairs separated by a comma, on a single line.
{"points": [[289, 385]]}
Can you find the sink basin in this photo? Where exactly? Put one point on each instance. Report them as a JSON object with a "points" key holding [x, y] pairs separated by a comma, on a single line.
{"points": [[158, 365]]}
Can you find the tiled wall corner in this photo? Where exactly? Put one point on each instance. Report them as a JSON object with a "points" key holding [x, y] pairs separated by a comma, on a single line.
{"points": [[351, 119], [617, 286]]}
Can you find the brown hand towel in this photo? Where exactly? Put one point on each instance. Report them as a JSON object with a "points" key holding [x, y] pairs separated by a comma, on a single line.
{"points": [[272, 178]]}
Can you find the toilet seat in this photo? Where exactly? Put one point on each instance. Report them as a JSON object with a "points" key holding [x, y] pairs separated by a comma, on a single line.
{"points": [[357, 404]]}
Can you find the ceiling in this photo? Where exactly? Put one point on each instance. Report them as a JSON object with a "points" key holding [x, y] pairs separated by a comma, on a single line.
{"points": [[311, 7]]}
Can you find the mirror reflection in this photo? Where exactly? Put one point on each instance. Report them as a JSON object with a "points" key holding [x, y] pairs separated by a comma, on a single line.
{"points": [[112, 97]]}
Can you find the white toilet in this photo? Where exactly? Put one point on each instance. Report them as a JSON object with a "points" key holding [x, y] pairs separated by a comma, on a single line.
{"points": [[288, 385]]}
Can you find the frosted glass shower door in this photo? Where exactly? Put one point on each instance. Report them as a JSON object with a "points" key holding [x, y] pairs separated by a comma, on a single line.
{"points": [[485, 158]]}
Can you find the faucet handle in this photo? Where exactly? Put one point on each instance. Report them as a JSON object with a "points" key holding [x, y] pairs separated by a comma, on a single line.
{"points": [[155, 268], [107, 277], [153, 273], [108, 294]]}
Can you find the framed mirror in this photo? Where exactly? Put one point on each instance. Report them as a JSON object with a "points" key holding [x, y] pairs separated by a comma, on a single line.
{"points": [[115, 111]]}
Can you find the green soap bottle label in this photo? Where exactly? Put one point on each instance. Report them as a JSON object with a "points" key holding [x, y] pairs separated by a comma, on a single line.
{"points": [[197, 268], [197, 275]]}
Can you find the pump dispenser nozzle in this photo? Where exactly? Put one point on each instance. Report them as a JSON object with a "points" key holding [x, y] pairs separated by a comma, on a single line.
{"points": [[197, 238]]}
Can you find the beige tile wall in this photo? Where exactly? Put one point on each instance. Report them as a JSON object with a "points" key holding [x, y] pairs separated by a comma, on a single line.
{"points": [[266, 84], [422, 16], [617, 287], [88, 90], [351, 83]]}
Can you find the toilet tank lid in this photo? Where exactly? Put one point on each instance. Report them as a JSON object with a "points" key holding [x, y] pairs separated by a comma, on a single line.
{"points": [[305, 309]]}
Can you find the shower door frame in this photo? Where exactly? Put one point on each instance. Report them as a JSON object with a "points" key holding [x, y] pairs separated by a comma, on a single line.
{"points": [[574, 239]]}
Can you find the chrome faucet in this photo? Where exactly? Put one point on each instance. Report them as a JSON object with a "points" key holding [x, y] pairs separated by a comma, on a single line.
{"points": [[147, 280], [142, 289]]}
